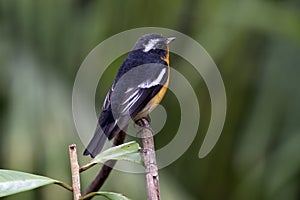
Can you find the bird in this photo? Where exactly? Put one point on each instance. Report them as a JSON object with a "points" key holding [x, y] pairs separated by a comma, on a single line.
{"points": [[139, 86]]}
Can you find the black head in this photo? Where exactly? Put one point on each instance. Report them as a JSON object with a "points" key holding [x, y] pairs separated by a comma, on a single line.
{"points": [[150, 48], [152, 41]]}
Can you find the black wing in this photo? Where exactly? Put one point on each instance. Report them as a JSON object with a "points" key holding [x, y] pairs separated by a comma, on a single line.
{"points": [[125, 100]]}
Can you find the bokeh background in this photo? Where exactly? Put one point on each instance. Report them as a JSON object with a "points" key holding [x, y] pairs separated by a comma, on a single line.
{"points": [[255, 44]]}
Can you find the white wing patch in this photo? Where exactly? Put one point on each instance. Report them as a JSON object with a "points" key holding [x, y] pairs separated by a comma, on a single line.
{"points": [[131, 103], [157, 81], [150, 45], [129, 90], [130, 97]]}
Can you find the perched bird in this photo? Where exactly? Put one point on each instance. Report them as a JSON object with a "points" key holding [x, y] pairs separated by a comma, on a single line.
{"points": [[138, 88]]}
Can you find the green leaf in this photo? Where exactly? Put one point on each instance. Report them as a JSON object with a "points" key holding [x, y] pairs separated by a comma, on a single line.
{"points": [[12, 182], [129, 152], [108, 195]]}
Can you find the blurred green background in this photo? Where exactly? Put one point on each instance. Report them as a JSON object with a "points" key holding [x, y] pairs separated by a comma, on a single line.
{"points": [[255, 44]]}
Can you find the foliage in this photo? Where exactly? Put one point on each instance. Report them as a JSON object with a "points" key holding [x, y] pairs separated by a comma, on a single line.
{"points": [[12, 182], [128, 152], [109, 195]]}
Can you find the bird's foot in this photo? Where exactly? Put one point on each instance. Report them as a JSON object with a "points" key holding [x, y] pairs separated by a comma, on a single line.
{"points": [[143, 122]]}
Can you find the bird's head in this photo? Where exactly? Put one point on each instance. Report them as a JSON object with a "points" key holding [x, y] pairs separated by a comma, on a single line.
{"points": [[153, 41]]}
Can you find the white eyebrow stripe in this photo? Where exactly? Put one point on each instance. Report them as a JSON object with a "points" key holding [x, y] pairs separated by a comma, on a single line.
{"points": [[157, 81], [150, 45]]}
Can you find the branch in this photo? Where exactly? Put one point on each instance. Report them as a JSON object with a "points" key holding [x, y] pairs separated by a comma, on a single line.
{"points": [[75, 172], [96, 184], [149, 159]]}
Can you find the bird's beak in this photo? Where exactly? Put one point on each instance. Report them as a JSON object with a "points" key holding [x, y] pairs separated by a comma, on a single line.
{"points": [[170, 39]]}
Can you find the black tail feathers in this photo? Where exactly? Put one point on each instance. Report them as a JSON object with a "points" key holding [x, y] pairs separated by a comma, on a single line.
{"points": [[96, 144]]}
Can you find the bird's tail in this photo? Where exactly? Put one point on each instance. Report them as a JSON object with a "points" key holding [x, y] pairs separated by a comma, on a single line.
{"points": [[108, 131], [96, 144]]}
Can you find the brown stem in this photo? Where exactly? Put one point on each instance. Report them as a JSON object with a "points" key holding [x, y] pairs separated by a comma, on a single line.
{"points": [[75, 172], [96, 184], [149, 159]]}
